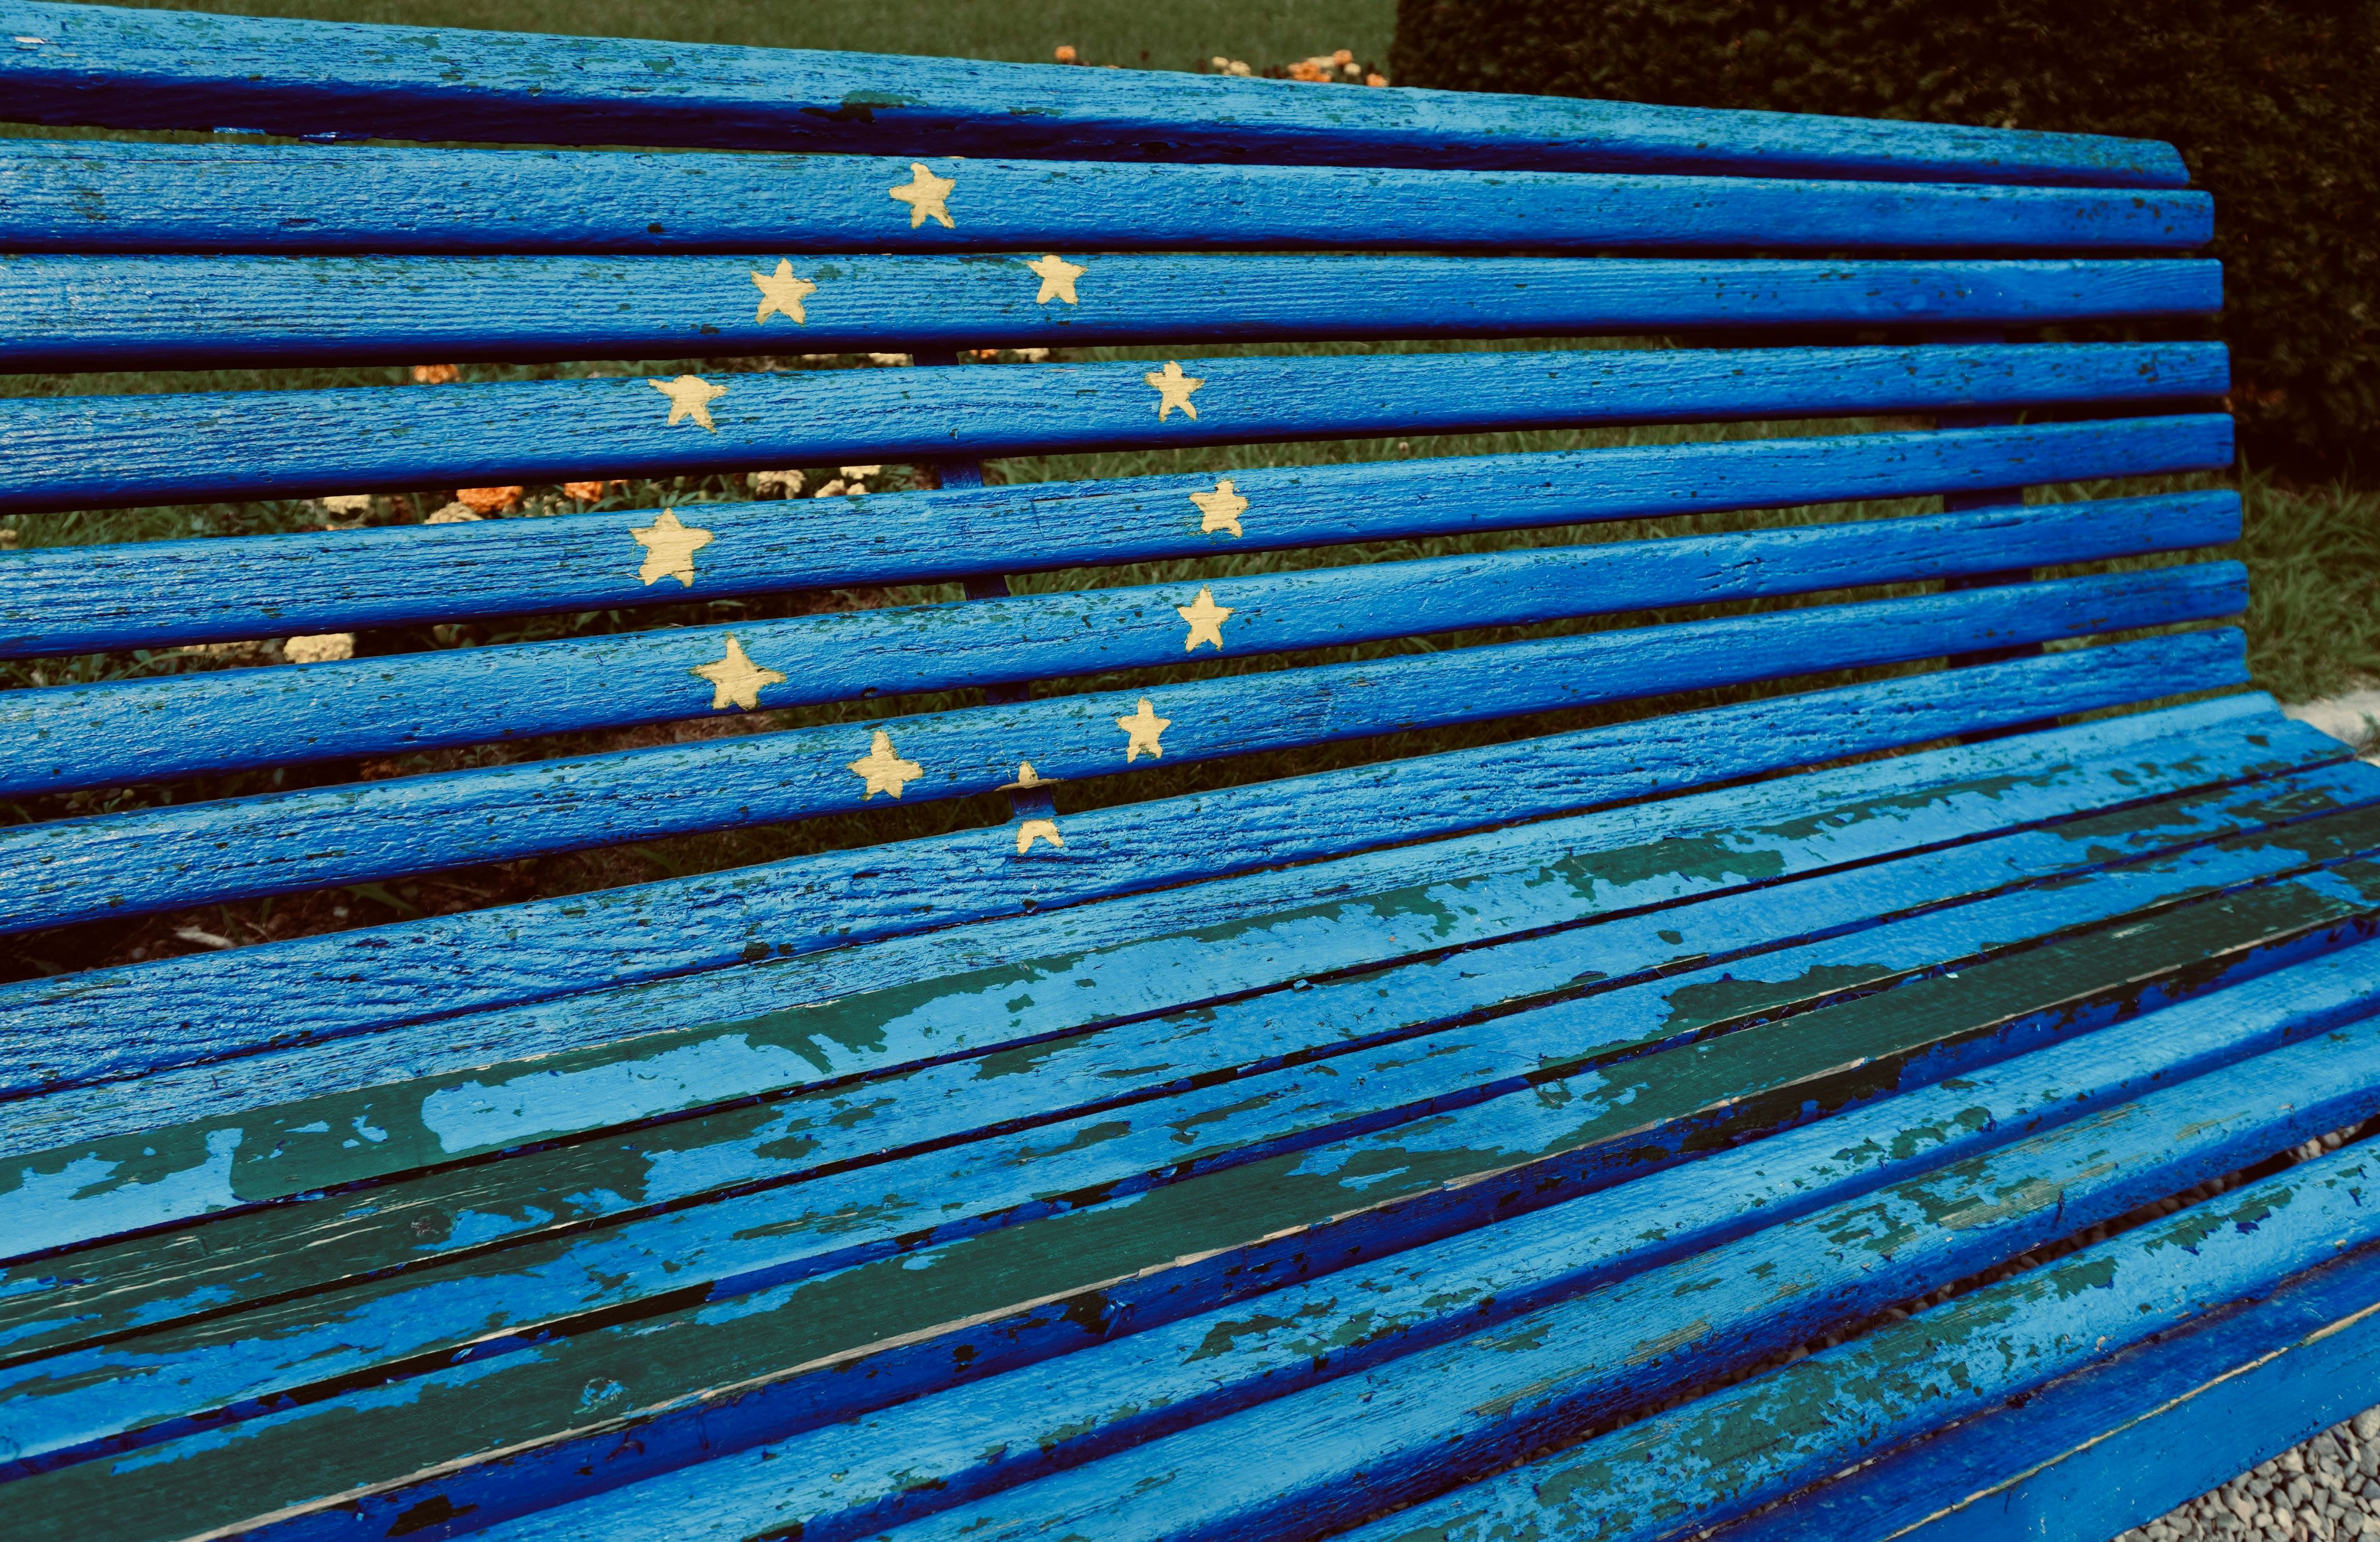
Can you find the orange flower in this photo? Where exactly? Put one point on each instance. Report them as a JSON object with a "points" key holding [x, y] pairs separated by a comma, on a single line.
{"points": [[1306, 69], [1066, 54], [490, 500], [1376, 80], [1343, 56], [436, 374], [587, 493]]}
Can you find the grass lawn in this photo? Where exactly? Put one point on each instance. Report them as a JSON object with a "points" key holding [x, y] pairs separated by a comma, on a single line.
{"points": [[2316, 553]]}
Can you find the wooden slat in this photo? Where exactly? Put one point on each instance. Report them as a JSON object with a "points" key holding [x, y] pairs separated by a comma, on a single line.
{"points": [[88, 599], [79, 196], [165, 69], [358, 1321], [1265, 1347], [2117, 1445], [1765, 952], [75, 452], [143, 731], [118, 312], [421, 970], [874, 1015], [1725, 1453]]}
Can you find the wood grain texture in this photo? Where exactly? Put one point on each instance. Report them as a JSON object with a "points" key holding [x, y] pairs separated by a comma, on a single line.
{"points": [[139, 595], [156, 312], [151, 731], [152, 70], [78, 196], [90, 452], [1732, 1450], [200, 1006], [829, 1025], [1745, 1297]]}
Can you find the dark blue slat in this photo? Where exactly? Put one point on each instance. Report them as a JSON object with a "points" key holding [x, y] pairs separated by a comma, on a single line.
{"points": [[164, 69], [73, 452], [78, 196], [117, 312], [69, 600]]}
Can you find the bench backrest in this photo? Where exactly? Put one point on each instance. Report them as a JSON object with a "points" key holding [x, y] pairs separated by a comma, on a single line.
{"points": [[1747, 267]]}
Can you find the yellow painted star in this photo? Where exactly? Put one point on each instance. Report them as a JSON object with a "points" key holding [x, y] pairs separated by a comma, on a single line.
{"points": [[924, 193], [736, 678], [1057, 277], [885, 772], [1038, 829], [668, 548], [690, 396], [1206, 619], [1141, 730], [781, 294], [1026, 777], [1174, 390], [1220, 510]]}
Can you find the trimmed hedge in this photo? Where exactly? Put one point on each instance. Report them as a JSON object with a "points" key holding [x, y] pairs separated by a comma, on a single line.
{"points": [[2274, 104]]}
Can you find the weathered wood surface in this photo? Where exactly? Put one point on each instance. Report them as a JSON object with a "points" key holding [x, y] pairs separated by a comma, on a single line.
{"points": [[413, 971], [168, 70], [88, 599], [145, 731], [80, 196], [1748, 1444], [89, 451], [1180, 1213], [2117, 1445], [120, 312]]}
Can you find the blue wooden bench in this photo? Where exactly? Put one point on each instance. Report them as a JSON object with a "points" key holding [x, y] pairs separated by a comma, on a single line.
{"points": [[1863, 1012]]}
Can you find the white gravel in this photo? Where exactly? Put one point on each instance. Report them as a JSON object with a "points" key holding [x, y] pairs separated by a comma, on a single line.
{"points": [[2327, 1489]]}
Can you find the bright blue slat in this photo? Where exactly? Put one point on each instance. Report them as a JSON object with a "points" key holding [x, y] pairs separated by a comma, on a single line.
{"points": [[184, 312], [202, 1005], [67, 600], [80, 196], [135, 730], [165, 69], [1699, 1464], [1106, 1396], [70, 452]]}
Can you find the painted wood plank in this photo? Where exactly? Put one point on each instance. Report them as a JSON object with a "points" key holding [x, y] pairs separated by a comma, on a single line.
{"points": [[1268, 1346], [184, 854], [81, 196], [168, 70], [1733, 975], [93, 452], [1981, 1177], [67, 1407], [419, 971], [1416, 1425], [171, 1169], [926, 1455], [2111, 1447], [88, 599], [1726, 1453], [156, 312]]}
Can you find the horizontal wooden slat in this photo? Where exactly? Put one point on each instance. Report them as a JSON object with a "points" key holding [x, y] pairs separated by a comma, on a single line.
{"points": [[120, 312], [202, 1006], [863, 1012], [1726, 1453], [237, 1357], [1409, 1427], [1465, 1283], [71, 452], [1771, 951], [164, 69], [134, 731], [78, 196], [67, 599]]}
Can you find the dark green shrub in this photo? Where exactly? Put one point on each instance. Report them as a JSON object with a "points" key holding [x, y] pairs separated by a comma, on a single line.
{"points": [[2272, 103]]}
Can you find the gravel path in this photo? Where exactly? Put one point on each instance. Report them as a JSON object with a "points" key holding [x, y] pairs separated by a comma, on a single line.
{"points": [[2329, 1487]]}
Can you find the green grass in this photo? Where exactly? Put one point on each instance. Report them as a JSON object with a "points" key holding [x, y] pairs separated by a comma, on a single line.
{"points": [[2314, 554]]}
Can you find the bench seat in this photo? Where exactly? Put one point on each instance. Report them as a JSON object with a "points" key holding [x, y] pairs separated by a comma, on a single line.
{"points": [[1850, 1023]]}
